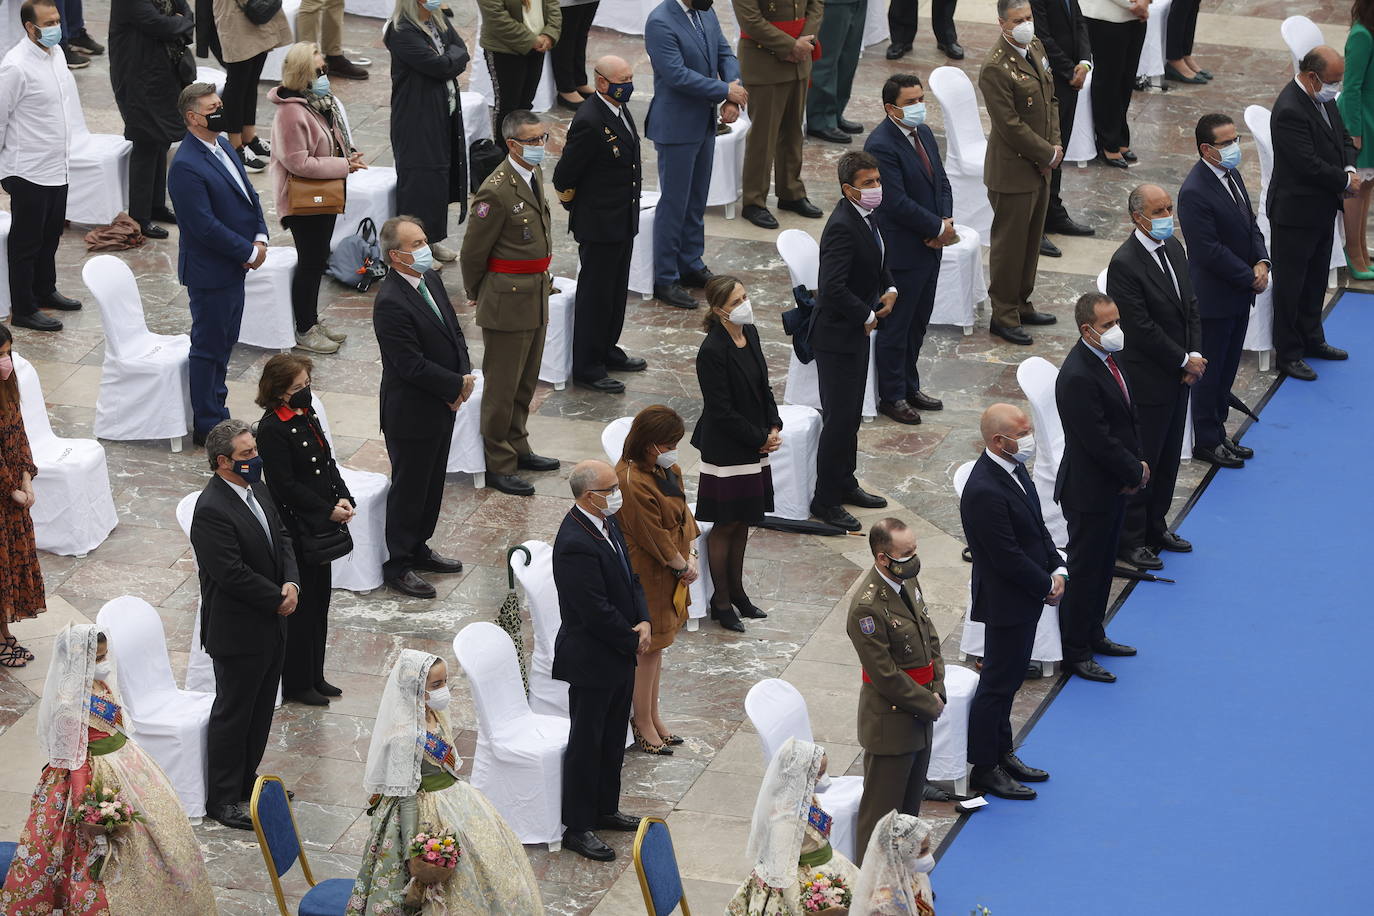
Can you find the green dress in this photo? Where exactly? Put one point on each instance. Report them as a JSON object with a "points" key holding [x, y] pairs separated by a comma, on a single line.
{"points": [[1356, 101]]}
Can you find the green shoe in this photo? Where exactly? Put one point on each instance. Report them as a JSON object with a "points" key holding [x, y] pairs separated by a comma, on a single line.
{"points": [[1356, 273]]}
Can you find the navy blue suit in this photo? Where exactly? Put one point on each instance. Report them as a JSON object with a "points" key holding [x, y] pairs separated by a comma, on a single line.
{"points": [[218, 224], [916, 201], [1224, 245], [693, 70]]}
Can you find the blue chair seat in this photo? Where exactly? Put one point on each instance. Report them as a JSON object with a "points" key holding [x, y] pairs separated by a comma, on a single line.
{"points": [[6, 856], [328, 898]]}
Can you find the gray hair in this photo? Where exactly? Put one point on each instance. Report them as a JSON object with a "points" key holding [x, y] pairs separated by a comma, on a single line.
{"points": [[220, 440], [191, 96], [1135, 201], [582, 479], [389, 239], [516, 120], [1004, 7]]}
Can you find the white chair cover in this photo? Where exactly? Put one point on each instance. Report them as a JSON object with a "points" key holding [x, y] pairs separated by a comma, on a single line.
{"points": [[949, 746], [1151, 63], [98, 167], [1301, 35], [548, 697], [966, 147], [727, 167], [476, 115], [479, 78], [778, 711], [466, 454], [372, 9], [145, 386], [169, 724], [73, 511], [556, 367], [518, 765], [361, 569], [962, 283], [794, 463], [1082, 146], [11, 30], [212, 76], [371, 195], [268, 321], [4, 263], [1036, 376], [875, 23], [642, 257], [271, 68]]}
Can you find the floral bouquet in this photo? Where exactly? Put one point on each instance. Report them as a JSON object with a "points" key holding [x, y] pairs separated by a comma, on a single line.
{"points": [[432, 857], [825, 892], [99, 814]]}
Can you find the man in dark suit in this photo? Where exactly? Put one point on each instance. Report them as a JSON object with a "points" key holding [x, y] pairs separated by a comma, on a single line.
{"points": [[426, 378], [605, 628], [694, 73], [1102, 465], [902, 23], [1148, 280], [1314, 169], [1016, 572], [598, 180], [1061, 28], [1228, 264], [248, 587], [223, 236], [917, 208], [855, 289]]}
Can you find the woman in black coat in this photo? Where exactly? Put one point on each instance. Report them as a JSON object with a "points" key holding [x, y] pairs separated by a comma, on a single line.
{"points": [[739, 428], [149, 67], [427, 140], [311, 497]]}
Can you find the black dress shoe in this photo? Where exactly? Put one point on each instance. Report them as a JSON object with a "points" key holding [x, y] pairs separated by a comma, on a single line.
{"points": [[933, 793], [326, 689], [728, 619], [587, 844], [900, 411], [1067, 226], [56, 300], [695, 278], [564, 103], [675, 296], [605, 385], [1171, 73], [1129, 156], [1219, 455], [618, 821], [1049, 249], [760, 216], [848, 126], [197, 439], [953, 50], [922, 401], [836, 516], [1090, 670], [1142, 558], [411, 584], [510, 483], [39, 322], [439, 564], [997, 781], [1019, 771], [627, 364], [1039, 318], [897, 50], [310, 697], [1117, 163], [152, 230], [231, 816], [747, 608], [1326, 351], [829, 134], [863, 499], [532, 462], [1010, 335], [163, 215], [1297, 369], [1105, 646], [1235, 448], [802, 206], [1175, 544]]}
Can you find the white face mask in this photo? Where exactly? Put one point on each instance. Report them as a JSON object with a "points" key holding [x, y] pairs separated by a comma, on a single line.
{"points": [[667, 459], [742, 314], [1328, 92], [614, 500], [438, 700], [1113, 340], [924, 864], [1025, 448], [102, 671], [1023, 32]]}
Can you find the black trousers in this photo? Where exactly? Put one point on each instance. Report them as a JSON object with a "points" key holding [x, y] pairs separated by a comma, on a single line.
{"points": [[1222, 339], [891, 782], [1006, 655], [418, 194], [240, 96], [39, 213], [1179, 29], [596, 750], [570, 51], [1116, 55], [514, 79], [1161, 438], [240, 721], [901, 21], [1093, 538], [311, 236], [842, 377], [147, 179], [901, 334], [1068, 102], [1301, 256], [307, 629], [599, 310], [418, 467]]}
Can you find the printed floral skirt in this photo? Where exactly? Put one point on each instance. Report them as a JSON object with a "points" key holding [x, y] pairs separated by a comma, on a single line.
{"points": [[754, 898]]}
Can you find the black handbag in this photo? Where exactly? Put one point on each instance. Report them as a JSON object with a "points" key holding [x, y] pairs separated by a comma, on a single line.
{"points": [[259, 12], [321, 548]]}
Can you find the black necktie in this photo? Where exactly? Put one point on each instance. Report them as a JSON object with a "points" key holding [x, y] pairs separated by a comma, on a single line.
{"points": [[1236, 191], [906, 599], [1028, 485], [534, 189], [877, 236]]}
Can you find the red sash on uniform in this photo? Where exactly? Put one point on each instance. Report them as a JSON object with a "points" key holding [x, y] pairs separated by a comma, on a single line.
{"points": [[922, 676], [794, 28], [503, 266]]}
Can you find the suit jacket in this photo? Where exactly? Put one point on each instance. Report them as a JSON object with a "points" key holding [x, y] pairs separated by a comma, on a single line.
{"points": [[1224, 243], [692, 74], [1061, 28], [1162, 326], [598, 177], [1024, 117], [1013, 553], [736, 413], [217, 222], [509, 223], [600, 600], [1310, 159], [853, 274], [763, 47], [300, 471], [423, 359], [915, 202], [241, 572], [1102, 452]]}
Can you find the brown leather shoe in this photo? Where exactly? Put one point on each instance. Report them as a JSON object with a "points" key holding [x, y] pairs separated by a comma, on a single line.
{"points": [[900, 411], [344, 68]]}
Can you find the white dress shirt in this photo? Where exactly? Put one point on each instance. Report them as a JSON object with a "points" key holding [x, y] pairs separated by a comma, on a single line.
{"points": [[219, 155], [616, 109], [527, 174], [866, 215], [36, 93], [1010, 468], [601, 526], [1151, 246], [242, 493]]}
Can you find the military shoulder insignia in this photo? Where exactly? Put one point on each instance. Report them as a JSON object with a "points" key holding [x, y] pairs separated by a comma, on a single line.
{"points": [[866, 626], [868, 594], [481, 210], [519, 207], [496, 177]]}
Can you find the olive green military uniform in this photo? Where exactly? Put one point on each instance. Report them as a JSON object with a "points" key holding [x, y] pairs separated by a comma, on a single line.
{"points": [[510, 222], [896, 714], [1024, 115], [777, 95]]}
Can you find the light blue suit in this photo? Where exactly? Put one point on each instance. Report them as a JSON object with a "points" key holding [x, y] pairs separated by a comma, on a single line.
{"points": [[692, 72]]}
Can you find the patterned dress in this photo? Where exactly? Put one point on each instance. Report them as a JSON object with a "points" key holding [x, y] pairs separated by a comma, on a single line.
{"points": [[21, 580], [157, 861], [755, 898]]}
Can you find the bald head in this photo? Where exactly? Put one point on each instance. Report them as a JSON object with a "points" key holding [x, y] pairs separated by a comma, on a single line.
{"points": [[591, 481], [1001, 422], [612, 71], [1322, 66]]}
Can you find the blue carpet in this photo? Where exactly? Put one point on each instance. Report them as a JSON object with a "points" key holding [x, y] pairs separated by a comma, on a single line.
{"points": [[1227, 770]]}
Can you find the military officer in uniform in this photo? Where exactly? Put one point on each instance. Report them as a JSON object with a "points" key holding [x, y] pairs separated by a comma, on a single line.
{"points": [[777, 44], [1023, 150], [903, 689], [505, 261]]}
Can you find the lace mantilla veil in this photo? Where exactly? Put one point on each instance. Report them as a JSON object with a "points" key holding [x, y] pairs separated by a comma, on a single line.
{"points": [[64, 708], [775, 837], [398, 735], [887, 870]]}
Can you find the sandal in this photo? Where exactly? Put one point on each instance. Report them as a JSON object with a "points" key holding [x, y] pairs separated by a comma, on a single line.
{"points": [[13, 645], [11, 659]]}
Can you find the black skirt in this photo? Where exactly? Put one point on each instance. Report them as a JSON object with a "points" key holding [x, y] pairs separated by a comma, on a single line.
{"points": [[738, 493]]}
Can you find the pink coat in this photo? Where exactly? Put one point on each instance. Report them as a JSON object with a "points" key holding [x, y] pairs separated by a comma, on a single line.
{"points": [[301, 146]]}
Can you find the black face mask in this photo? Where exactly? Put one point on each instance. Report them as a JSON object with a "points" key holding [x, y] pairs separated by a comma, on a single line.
{"points": [[300, 400], [702, 6], [215, 121], [907, 569]]}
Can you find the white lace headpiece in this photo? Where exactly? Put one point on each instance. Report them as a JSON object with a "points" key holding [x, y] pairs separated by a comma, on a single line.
{"points": [[63, 711], [775, 837], [398, 735], [887, 882]]}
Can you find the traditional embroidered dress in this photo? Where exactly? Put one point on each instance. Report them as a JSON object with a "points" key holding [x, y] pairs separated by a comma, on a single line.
{"points": [[756, 898], [891, 884]]}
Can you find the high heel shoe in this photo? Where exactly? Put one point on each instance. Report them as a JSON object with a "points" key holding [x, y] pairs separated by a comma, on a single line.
{"points": [[658, 750], [1117, 163], [747, 608], [727, 618], [1356, 273], [673, 739]]}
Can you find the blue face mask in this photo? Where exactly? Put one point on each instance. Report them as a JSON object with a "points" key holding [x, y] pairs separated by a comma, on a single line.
{"points": [[532, 154], [423, 259], [1161, 228], [1230, 155], [620, 92], [433, 5], [50, 36], [250, 470], [321, 85], [914, 115]]}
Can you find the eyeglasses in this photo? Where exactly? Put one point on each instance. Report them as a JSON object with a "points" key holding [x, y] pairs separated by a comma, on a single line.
{"points": [[1225, 143], [602, 489], [532, 141], [322, 71]]}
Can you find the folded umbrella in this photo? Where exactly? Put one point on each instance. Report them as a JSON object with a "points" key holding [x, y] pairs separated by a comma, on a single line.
{"points": [[508, 618]]}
